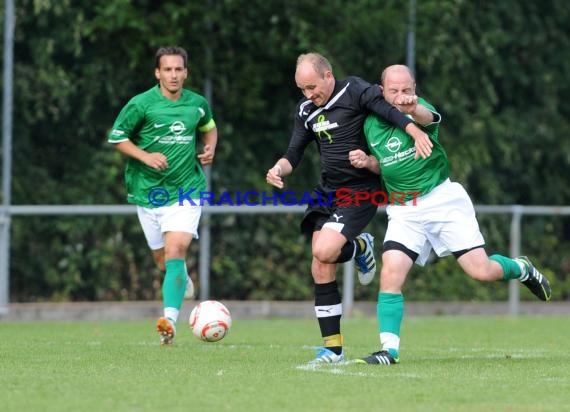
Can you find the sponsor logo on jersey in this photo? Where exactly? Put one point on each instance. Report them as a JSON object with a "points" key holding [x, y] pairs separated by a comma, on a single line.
{"points": [[321, 126], [324, 125], [393, 144], [177, 128], [399, 157], [177, 136], [175, 139]]}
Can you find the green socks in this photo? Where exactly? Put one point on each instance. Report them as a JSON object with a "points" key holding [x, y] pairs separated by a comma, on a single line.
{"points": [[174, 284], [390, 311], [511, 269]]}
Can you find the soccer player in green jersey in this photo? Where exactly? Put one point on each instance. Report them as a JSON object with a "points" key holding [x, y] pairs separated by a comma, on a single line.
{"points": [[437, 214], [157, 131]]}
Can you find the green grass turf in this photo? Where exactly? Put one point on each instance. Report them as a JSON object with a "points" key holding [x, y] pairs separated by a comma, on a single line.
{"points": [[447, 364]]}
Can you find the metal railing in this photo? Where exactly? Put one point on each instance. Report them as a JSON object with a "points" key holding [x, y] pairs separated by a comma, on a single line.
{"points": [[515, 211]]}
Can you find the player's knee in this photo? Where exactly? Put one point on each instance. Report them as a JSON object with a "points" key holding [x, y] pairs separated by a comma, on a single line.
{"points": [[175, 251], [324, 253], [391, 281]]}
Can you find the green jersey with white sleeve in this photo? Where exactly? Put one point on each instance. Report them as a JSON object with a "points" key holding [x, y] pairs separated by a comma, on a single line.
{"points": [[157, 124], [394, 149]]}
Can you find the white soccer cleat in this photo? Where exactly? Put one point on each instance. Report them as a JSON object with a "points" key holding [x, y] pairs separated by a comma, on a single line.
{"points": [[325, 355], [365, 262]]}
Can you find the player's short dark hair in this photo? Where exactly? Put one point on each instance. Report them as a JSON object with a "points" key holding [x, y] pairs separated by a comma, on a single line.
{"points": [[170, 51]]}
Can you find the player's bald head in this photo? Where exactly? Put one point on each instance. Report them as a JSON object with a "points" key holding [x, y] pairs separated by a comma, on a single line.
{"points": [[400, 70], [314, 61]]}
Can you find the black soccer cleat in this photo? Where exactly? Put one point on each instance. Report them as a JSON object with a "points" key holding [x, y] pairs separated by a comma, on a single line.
{"points": [[382, 357], [536, 282]]}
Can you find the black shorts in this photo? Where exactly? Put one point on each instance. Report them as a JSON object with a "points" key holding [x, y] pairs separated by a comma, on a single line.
{"points": [[346, 209]]}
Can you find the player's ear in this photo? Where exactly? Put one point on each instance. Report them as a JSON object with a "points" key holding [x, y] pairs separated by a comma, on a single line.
{"points": [[157, 73]]}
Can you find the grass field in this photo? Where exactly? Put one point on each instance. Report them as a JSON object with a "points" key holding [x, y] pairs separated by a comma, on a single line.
{"points": [[447, 364]]}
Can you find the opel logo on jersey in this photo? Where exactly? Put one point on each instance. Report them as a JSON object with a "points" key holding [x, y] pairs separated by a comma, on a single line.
{"points": [[393, 144], [177, 128]]}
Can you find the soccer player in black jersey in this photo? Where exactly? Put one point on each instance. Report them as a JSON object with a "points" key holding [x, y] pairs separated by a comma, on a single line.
{"points": [[332, 114]]}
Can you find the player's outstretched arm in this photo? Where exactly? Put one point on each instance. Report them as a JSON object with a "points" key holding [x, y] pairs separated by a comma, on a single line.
{"points": [[409, 104], [422, 141], [391, 113]]}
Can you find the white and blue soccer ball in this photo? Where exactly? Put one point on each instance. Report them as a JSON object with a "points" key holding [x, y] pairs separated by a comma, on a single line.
{"points": [[210, 321]]}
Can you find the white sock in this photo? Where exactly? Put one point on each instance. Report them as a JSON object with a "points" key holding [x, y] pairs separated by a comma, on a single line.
{"points": [[524, 270], [390, 341], [171, 313]]}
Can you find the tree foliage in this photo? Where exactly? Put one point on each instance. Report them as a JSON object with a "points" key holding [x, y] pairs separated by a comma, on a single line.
{"points": [[495, 70]]}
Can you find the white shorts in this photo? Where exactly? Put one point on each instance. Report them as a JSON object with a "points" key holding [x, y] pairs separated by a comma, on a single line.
{"points": [[443, 220], [174, 218]]}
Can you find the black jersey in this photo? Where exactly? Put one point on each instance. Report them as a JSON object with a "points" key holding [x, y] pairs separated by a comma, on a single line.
{"points": [[337, 128]]}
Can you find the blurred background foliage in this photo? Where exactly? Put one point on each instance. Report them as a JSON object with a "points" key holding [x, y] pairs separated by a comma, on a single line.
{"points": [[497, 71]]}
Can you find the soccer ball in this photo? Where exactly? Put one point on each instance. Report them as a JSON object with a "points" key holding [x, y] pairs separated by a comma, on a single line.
{"points": [[210, 321]]}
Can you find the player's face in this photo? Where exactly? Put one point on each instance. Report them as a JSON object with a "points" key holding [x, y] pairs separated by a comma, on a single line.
{"points": [[397, 83], [171, 75], [315, 87]]}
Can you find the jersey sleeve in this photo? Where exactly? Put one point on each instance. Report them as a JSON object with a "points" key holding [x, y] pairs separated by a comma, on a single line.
{"points": [[128, 121], [206, 122], [300, 139], [434, 125], [373, 101]]}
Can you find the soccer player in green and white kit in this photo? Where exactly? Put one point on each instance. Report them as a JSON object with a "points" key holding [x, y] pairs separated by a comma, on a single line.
{"points": [[157, 130], [441, 217]]}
